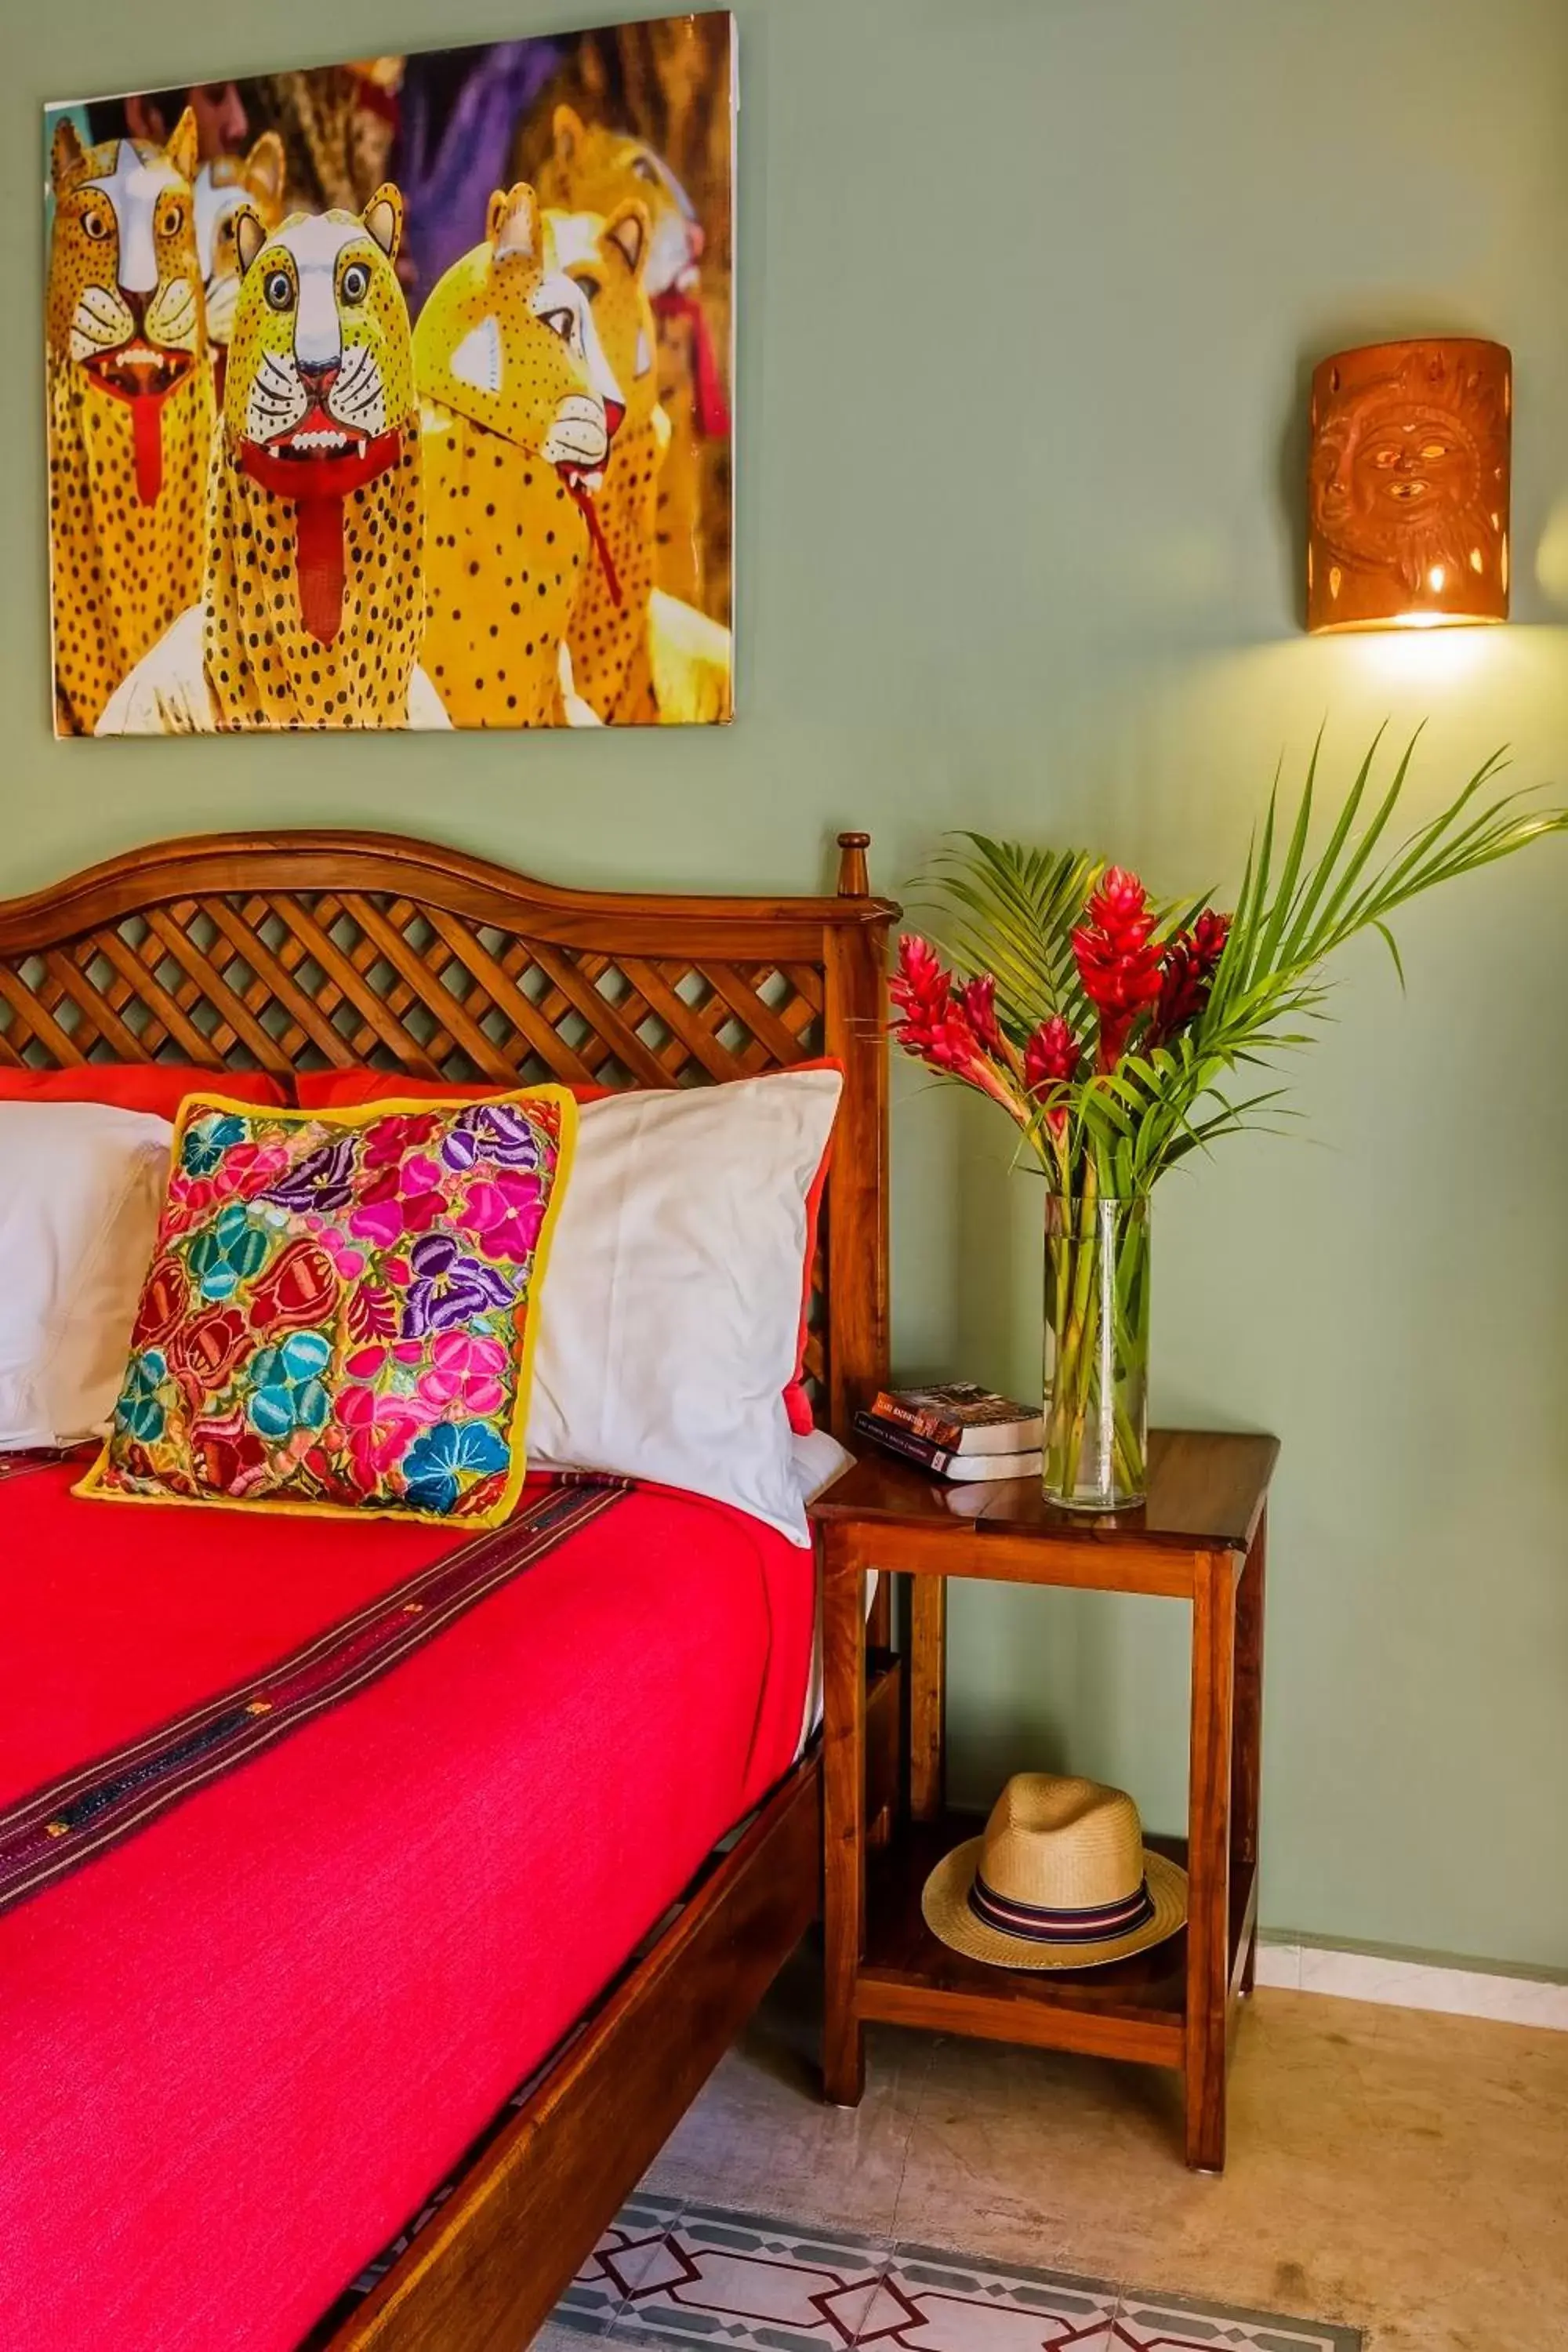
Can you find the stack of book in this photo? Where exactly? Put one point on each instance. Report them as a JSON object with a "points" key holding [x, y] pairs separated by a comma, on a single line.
{"points": [[958, 1431]]}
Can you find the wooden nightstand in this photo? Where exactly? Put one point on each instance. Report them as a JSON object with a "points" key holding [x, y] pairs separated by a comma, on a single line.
{"points": [[1200, 1539]]}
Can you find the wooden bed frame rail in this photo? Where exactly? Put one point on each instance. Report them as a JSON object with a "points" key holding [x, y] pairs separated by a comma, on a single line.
{"points": [[301, 951]]}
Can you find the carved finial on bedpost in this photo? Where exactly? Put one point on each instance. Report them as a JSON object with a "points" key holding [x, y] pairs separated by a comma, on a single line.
{"points": [[853, 882]]}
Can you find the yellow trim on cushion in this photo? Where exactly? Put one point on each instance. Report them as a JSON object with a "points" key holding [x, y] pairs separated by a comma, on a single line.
{"points": [[517, 1435], [90, 1485]]}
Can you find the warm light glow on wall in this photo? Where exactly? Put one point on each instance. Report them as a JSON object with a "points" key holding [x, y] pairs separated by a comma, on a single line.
{"points": [[1408, 486]]}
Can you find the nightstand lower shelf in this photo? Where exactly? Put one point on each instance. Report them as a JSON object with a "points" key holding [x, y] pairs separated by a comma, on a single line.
{"points": [[1132, 2009], [1200, 1540]]}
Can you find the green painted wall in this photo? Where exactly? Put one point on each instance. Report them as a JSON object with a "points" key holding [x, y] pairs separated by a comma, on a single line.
{"points": [[1029, 289]]}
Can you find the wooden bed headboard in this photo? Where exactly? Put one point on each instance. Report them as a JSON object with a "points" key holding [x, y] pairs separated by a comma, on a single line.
{"points": [[301, 951]]}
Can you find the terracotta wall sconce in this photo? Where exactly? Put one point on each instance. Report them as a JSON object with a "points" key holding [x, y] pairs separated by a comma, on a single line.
{"points": [[1408, 486]]}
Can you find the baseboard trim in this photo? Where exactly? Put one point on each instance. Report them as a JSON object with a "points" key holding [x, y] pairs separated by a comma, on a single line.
{"points": [[1413, 1984]]}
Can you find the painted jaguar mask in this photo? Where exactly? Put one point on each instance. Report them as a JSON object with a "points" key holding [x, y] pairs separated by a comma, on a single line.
{"points": [[319, 402], [130, 405], [519, 411]]}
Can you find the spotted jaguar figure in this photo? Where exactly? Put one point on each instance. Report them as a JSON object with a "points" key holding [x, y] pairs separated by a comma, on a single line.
{"points": [[639, 655], [222, 186], [592, 167], [313, 598], [518, 409], [608, 633], [129, 408]]}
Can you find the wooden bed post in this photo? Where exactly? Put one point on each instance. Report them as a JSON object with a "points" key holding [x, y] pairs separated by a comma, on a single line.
{"points": [[855, 1025], [857, 1275]]}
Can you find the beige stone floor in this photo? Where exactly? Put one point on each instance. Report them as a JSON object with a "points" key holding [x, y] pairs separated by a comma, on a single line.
{"points": [[1402, 2172]]}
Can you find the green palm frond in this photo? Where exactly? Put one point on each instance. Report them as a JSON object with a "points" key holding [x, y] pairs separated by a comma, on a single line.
{"points": [[1011, 911]]}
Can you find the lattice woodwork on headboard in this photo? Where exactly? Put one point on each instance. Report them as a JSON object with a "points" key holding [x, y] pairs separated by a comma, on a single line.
{"points": [[303, 950], [302, 979]]}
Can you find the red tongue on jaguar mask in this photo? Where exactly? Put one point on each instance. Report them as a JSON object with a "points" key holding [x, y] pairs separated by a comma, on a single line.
{"points": [[147, 441], [145, 402], [318, 487], [590, 514], [711, 409]]}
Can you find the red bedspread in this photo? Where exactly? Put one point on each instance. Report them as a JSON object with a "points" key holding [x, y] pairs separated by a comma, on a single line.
{"points": [[237, 2050]]}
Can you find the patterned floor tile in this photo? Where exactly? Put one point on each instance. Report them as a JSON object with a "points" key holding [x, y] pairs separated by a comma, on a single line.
{"points": [[728, 2279], [690, 2275], [1172, 2324], [632, 2247], [932, 2302]]}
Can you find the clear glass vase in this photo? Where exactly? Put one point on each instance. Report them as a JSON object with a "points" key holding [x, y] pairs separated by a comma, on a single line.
{"points": [[1096, 1351]]}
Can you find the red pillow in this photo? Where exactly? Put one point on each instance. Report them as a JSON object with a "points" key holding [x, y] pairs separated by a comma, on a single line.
{"points": [[334, 1089], [159, 1087], [797, 1403], [341, 1089]]}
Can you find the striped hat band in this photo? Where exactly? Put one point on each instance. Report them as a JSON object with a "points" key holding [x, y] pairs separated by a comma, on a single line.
{"points": [[1044, 1924]]}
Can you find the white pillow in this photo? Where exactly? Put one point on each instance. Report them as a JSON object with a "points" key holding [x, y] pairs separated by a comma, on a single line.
{"points": [[80, 1187], [669, 1314]]}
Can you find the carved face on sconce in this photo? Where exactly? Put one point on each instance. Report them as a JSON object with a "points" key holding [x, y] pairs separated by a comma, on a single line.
{"points": [[1409, 486]]}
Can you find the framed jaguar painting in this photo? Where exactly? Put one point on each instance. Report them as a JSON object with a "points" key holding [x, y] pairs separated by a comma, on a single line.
{"points": [[397, 394]]}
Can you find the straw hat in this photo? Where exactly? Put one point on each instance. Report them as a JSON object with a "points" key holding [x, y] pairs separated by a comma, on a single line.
{"points": [[1061, 1879]]}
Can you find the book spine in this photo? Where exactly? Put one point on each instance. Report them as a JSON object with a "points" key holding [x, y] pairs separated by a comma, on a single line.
{"points": [[931, 1426], [906, 1442]]}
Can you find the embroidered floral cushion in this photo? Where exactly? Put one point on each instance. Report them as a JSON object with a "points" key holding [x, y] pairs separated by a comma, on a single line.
{"points": [[340, 1308]]}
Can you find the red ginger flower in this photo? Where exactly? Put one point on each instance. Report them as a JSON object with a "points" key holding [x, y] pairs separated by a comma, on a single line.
{"points": [[1209, 936], [938, 1030], [929, 1024], [1051, 1057], [1119, 968], [1187, 975], [978, 998]]}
